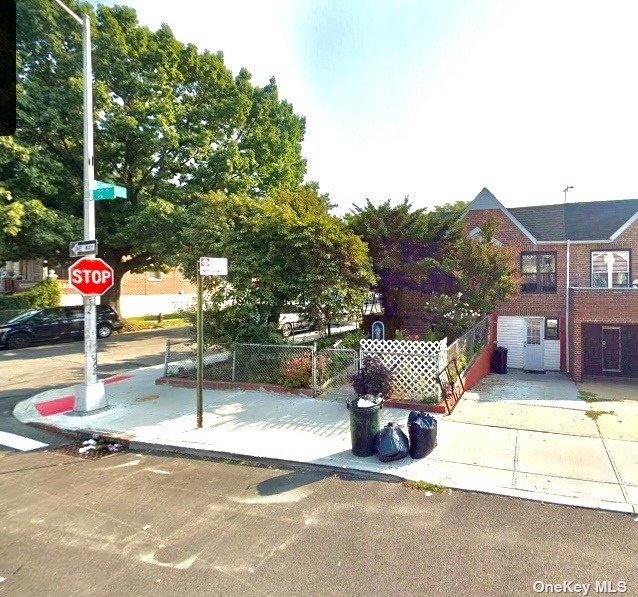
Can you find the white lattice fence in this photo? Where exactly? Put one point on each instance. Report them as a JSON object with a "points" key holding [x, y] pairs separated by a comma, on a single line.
{"points": [[414, 364]]}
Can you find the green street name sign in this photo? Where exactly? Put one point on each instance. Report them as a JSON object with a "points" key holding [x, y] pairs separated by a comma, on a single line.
{"points": [[105, 190]]}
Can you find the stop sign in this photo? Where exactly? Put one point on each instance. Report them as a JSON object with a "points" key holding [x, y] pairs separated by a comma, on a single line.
{"points": [[91, 275]]}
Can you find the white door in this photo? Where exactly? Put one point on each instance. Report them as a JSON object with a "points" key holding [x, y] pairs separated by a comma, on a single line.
{"points": [[533, 345]]}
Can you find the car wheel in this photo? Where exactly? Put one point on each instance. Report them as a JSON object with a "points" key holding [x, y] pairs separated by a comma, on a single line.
{"points": [[286, 330], [104, 330], [19, 341]]}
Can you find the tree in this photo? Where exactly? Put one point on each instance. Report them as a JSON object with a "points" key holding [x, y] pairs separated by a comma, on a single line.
{"points": [[461, 279], [410, 249], [170, 122], [285, 248]]}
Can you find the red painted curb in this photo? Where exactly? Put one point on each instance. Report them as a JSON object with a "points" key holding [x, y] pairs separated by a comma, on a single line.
{"points": [[55, 406], [116, 379]]}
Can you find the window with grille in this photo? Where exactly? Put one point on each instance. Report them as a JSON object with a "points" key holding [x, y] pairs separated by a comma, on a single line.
{"points": [[538, 272], [534, 331], [610, 269]]}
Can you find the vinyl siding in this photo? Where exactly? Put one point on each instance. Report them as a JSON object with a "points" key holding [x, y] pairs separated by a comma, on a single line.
{"points": [[552, 355], [510, 333]]}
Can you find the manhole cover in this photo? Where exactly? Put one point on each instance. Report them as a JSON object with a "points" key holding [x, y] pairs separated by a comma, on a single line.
{"points": [[102, 450]]}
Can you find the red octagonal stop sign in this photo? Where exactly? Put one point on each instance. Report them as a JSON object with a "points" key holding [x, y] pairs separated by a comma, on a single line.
{"points": [[91, 275]]}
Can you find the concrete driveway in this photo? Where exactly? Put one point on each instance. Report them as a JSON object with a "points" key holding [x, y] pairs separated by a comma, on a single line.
{"points": [[563, 443], [550, 403]]}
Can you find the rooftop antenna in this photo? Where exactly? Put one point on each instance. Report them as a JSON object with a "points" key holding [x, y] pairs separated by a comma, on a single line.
{"points": [[565, 191]]}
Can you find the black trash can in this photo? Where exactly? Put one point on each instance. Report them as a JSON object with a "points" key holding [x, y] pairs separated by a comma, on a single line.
{"points": [[365, 423], [499, 360], [422, 428]]}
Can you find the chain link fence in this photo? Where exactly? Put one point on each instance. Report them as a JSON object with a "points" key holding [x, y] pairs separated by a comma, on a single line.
{"points": [[470, 343], [292, 366], [335, 367]]}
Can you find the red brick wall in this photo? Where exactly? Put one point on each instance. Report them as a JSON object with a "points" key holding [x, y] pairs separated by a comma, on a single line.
{"points": [[531, 304], [598, 305], [614, 306], [171, 283], [580, 256], [482, 365]]}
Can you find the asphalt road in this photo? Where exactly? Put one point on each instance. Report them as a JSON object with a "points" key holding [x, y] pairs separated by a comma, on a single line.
{"points": [[26, 372], [165, 525], [132, 524]]}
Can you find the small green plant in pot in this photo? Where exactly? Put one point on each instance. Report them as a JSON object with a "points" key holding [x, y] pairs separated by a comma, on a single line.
{"points": [[373, 379]]}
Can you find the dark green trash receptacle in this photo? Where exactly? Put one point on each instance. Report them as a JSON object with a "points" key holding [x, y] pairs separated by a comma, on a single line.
{"points": [[365, 423]]}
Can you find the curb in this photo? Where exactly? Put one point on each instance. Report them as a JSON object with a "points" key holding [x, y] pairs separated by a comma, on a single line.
{"points": [[514, 493]]}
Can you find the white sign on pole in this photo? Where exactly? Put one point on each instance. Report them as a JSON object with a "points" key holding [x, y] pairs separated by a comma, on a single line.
{"points": [[213, 266]]}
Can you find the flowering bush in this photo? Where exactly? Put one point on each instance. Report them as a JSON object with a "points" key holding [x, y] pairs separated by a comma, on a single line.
{"points": [[296, 372], [373, 378], [451, 315], [403, 335]]}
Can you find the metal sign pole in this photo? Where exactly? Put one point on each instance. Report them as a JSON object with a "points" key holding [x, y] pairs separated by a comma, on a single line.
{"points": [[91, 395], [206, 266], [200, 349]]}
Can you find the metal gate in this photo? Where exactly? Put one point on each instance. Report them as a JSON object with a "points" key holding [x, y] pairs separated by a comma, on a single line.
{"points": [[335, 367]]}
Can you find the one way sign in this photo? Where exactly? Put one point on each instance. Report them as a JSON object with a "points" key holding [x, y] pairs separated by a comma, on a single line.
{"points": [[82, 247]]}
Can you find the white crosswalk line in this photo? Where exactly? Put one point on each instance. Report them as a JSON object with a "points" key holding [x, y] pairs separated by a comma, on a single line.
{"points": [[17, 442]]}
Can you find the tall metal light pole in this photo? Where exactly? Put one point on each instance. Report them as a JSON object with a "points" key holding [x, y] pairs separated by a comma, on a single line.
{"points": [[90, 396]]}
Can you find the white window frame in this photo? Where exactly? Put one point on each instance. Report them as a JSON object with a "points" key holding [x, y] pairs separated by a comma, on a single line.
{"points": [[610, 268]]}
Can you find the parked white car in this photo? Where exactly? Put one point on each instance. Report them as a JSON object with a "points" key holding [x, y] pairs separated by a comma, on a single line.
{"points": [[292, 322]]}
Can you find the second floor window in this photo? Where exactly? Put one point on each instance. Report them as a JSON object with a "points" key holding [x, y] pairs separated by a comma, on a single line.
{"points": [[610, 269], [538, 272]]}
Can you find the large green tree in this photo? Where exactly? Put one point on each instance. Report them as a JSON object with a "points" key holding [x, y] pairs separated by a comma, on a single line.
{"points": [[170, 122], [285, 248], [415, 249], [410, 248]]}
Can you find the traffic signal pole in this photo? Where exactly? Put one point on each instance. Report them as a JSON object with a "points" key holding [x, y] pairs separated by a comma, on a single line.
{"points": [[90, 396]]}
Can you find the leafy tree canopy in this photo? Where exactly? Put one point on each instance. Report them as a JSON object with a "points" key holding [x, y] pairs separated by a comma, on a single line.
{"points": [[429, 251], [170, 122], [283, 249], [410, 248]]}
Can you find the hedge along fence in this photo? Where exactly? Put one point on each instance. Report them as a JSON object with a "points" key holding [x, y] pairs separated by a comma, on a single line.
{"points": [[44, 294]]}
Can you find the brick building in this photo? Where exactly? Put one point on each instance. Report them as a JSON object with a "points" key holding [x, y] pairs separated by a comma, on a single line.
{"points": [[577, 309], [148, 293]]}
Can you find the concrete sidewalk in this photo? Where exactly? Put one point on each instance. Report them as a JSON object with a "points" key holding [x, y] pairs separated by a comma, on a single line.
{"points": [[589, 471]]}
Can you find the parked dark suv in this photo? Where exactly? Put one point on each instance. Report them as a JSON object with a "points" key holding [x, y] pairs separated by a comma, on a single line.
{"points": [[42, 325]]}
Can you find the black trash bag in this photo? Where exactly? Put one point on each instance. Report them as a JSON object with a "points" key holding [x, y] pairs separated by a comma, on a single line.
{"points": [[422, 430], [391, 443]]}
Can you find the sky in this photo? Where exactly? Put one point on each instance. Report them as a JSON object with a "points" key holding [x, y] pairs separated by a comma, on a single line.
{"points": [[436, 99]]}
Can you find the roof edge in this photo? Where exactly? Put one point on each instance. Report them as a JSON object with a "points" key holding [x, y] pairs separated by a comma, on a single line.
{"points": [[486, 200], [624, 227]]}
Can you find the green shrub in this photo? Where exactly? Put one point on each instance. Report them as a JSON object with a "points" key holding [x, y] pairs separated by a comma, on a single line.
{"points": [[352, 339], [18, 301], [44, 294]]}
